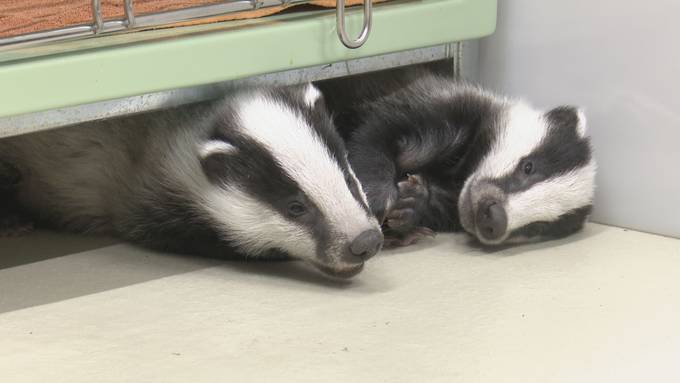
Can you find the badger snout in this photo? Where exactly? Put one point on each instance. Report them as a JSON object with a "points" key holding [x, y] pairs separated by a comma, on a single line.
{"points": [[350, 261], [491, 220], [482, 211], [366, 245]]}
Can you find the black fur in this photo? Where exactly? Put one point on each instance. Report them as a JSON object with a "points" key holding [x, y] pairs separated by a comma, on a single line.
{"points": [[406, 129], [409, 121]]}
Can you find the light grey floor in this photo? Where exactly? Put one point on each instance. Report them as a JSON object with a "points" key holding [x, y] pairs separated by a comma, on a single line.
{"points": [[602, 306]]}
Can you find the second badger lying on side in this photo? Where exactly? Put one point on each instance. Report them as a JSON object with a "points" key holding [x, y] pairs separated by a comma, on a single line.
{"points": [[258, 173], [435, 154]]}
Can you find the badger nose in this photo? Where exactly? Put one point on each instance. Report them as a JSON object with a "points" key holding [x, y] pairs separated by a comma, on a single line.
{"points": [[492, 220], [366, 244]]}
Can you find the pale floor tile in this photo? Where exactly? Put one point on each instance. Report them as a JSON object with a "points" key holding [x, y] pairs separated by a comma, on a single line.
{"points": [[602, 306]]}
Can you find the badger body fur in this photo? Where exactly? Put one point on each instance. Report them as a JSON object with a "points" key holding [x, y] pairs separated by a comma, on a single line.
{"points": [[262, 172], [434, 153]]}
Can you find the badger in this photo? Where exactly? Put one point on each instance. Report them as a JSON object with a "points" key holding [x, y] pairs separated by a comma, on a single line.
{"points": [[261, 173], [436, 154]]}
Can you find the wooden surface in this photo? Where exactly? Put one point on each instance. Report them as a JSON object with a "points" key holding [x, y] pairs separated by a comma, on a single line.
{"points": [[19, 17]]}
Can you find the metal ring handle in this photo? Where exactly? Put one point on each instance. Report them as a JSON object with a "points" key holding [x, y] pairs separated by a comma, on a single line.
{"points": [[340, 21]]}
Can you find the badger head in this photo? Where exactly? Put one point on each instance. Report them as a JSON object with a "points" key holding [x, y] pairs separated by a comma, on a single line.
{"points": [[280, 181], [536, 180]]}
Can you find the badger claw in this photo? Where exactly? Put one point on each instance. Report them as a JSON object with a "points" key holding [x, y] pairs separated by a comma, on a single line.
{"points": [[400, 217], [405, 213], [412, 186], [400, 239]]}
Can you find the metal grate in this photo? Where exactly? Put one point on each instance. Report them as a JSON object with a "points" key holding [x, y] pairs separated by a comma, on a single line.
{"points": [[132, 21]]}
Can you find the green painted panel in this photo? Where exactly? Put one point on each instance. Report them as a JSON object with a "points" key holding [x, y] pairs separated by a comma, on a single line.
{"points": [[235, 51]]}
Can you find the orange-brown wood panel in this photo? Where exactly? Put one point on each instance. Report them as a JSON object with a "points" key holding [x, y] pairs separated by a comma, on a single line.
{"points": [[19, 17]]}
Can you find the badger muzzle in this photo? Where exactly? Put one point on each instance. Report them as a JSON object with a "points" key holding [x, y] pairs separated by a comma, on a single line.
{"points": [[482, 212], [345, 260]]}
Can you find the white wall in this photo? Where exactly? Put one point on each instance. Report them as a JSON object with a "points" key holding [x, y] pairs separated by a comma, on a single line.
{"points": [[621, 61]]}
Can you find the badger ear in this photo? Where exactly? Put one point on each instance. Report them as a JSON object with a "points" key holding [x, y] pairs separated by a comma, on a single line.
{"points": [[568, 117], [215, 146], [213, 157], [311, 94], [581, 127]]}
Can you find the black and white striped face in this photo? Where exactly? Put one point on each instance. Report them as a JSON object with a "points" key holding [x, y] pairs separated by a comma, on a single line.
{"points": [[281, 181], [537, 180]]}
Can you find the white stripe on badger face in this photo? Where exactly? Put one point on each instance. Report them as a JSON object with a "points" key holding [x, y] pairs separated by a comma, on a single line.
{"points": [[307, 160], [362, 194], [581, 127], [254, 227], [548, 200], [522, 131]]}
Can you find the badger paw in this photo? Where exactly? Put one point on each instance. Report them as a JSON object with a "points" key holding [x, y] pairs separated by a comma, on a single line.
{"points": [[411, 202], [401, 224], [400, 239], [14, 226]]}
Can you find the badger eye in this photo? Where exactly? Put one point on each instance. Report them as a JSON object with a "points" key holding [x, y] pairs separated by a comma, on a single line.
{"points": [[296, 209], [528, 167]]}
